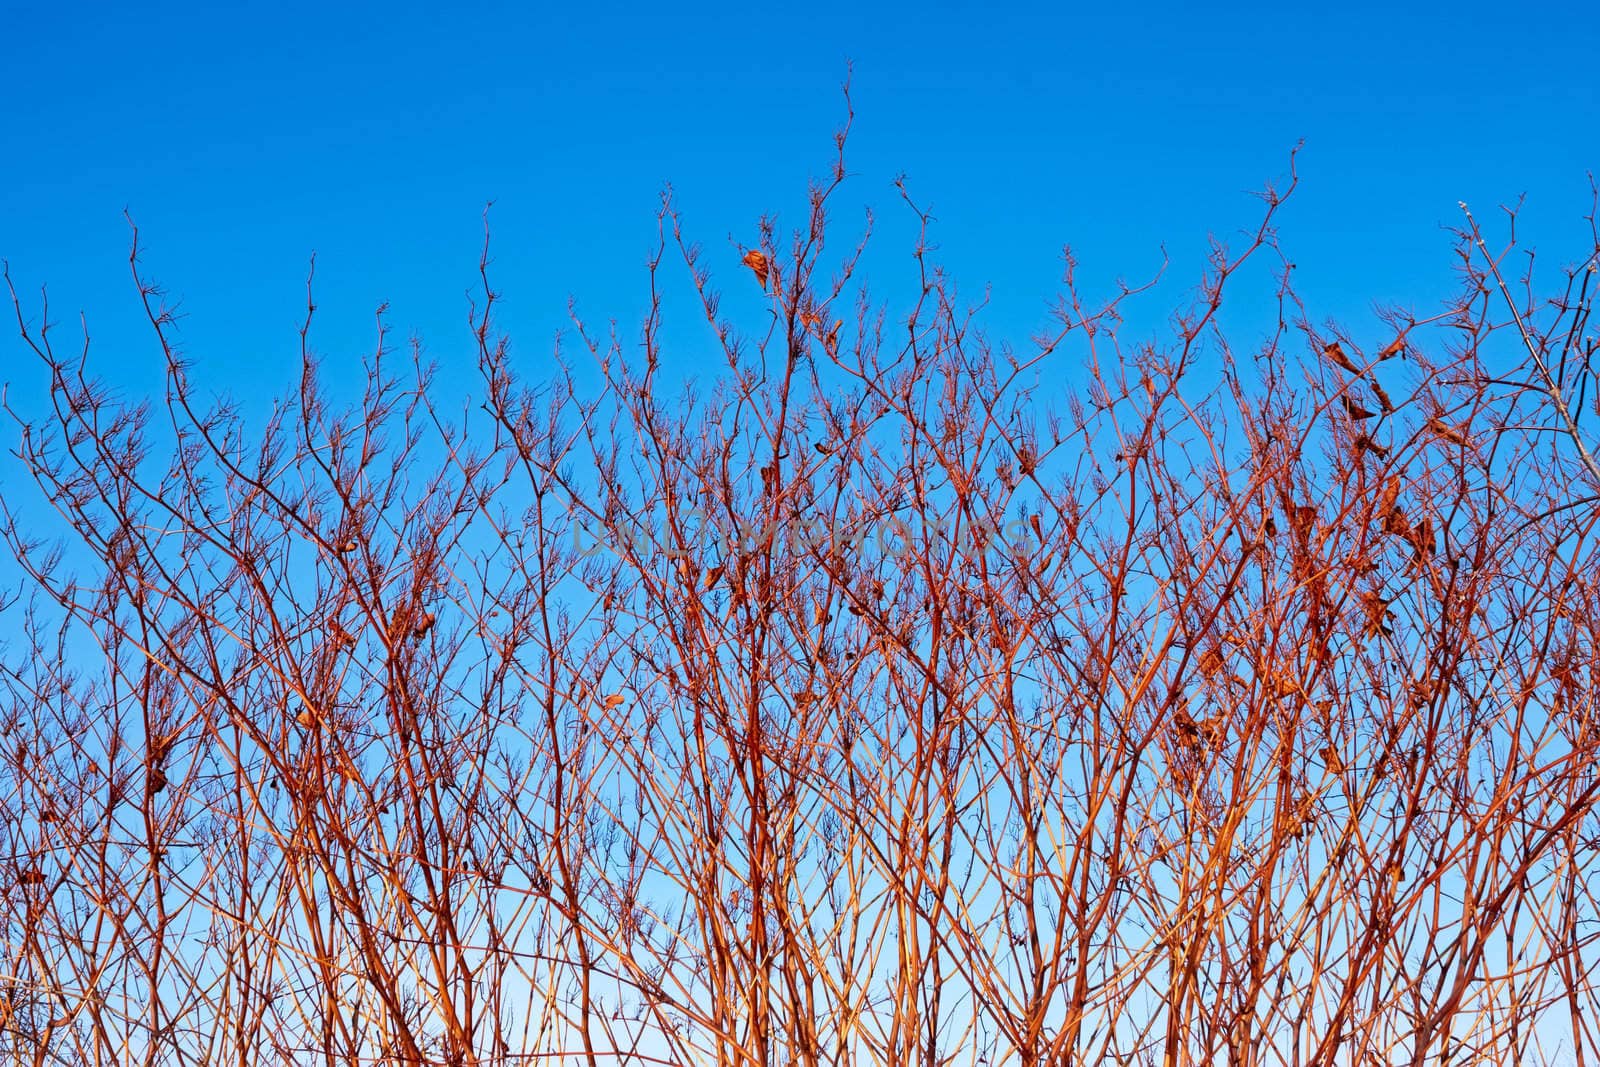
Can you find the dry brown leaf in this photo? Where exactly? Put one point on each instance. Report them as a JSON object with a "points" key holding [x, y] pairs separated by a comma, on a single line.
{"points": [[1383, 397], [1355, 410], [1456, 435], [1395, 522], [757, 261], [1363, 443], [1421, 538], [1335, 355], [1376, 609], [340, 635], [1391, 494]]}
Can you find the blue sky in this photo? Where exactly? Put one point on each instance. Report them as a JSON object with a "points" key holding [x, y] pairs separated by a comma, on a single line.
{"points": [[243, 138]]}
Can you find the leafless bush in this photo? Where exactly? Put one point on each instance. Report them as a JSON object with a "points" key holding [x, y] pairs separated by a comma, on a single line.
{"points": [[878, 700]]}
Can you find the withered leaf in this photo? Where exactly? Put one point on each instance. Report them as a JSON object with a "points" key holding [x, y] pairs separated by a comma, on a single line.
{"points": [[1391, 494], [1363, 443], [1455, 435], [1335, 355], [1383, 397], [757, 261], [1355, 410]]}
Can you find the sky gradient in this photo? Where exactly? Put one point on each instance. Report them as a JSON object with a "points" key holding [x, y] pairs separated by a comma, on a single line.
{"points": [[245, 139]]}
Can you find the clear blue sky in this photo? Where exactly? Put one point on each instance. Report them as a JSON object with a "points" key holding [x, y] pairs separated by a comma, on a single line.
{"points": [[244, 137]]}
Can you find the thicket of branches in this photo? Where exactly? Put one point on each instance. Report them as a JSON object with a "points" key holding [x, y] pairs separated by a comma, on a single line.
{"points": [[878, 699]]}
